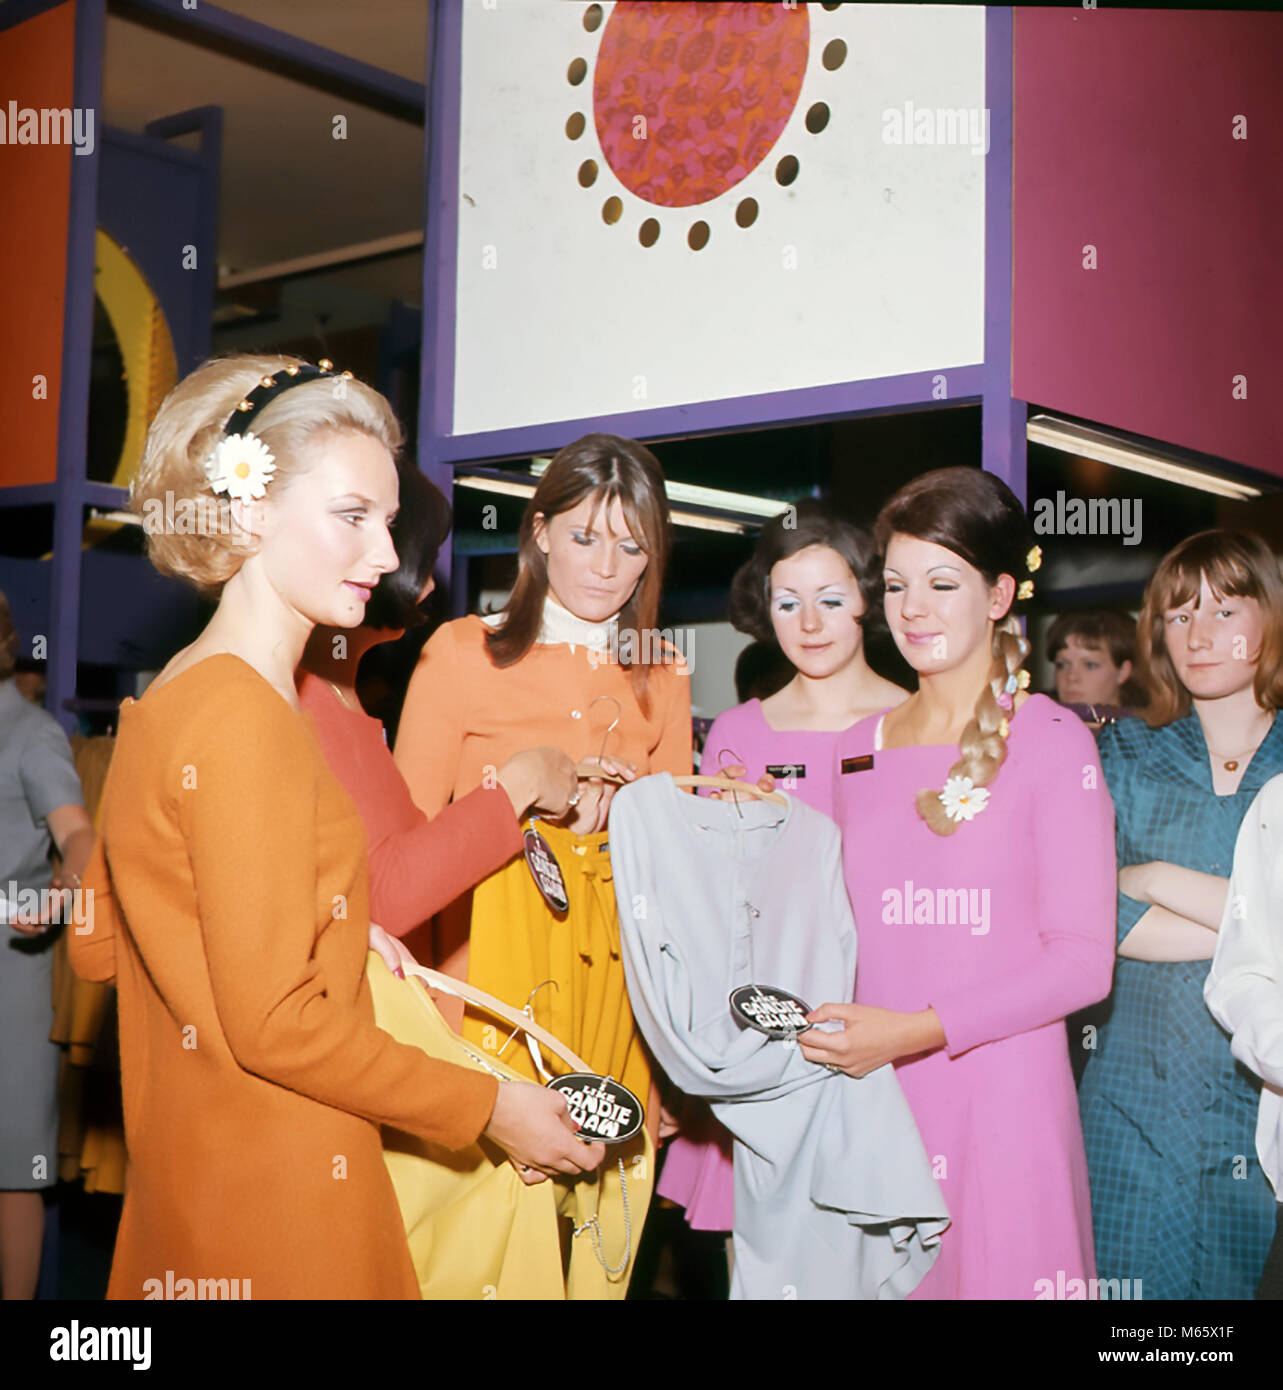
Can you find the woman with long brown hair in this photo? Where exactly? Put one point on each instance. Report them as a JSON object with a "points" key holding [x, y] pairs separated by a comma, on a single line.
{"points": [[575, 661], [977, 837], [1168, 1116]]}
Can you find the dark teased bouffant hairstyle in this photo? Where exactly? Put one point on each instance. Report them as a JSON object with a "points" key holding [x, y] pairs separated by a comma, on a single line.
{"points": [[422, 524], [603, 467], [1237, 564], [977, 516], [806, 524]]}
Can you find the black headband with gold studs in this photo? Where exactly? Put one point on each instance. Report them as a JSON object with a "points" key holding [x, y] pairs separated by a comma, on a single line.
{"points": [[270, 387], [240, 464]]}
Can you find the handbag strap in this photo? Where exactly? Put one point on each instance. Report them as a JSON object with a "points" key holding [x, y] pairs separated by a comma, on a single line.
{"points": [[447, 984]]}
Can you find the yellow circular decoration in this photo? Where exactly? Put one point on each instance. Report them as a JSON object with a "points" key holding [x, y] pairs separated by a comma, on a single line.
{"points": [[151, 366]]}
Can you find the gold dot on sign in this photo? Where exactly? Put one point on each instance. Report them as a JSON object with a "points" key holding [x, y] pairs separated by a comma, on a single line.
{"points": [[834, 54], [575, 125], [697, 237], [588, 173], [746, 213], [592, 18], [648, 233], [817, 117], [612, 210], [786, 170], [576, 72]]}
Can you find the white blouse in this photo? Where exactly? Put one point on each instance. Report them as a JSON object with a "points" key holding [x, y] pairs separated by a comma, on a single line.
{"points": [[1244, 989], [559, 626]]}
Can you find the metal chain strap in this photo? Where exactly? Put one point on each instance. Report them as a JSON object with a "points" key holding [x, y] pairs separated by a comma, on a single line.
{"points": [[593, 1227]]}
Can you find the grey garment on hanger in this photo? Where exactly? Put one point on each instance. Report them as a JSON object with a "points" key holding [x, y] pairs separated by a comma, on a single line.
{"points": [[834, 1196]]}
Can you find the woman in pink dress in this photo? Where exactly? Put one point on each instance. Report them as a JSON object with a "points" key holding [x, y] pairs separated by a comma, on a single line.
{"points": [[814, 587], [978, 843]]}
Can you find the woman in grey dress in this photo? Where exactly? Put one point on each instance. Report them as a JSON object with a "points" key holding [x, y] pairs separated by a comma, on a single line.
{"points": [[40, 801]]}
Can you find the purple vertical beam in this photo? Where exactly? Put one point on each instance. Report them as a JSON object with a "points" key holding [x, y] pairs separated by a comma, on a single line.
{"points": [[440, 247], [73, 395], [207, 123], [1002, 419]]}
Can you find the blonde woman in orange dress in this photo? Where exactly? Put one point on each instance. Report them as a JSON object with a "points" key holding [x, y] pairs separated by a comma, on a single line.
{"points": [[230, 893]]}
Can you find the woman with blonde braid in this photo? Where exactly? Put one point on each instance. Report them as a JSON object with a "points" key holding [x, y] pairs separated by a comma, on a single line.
{"points": [[979, 853]]}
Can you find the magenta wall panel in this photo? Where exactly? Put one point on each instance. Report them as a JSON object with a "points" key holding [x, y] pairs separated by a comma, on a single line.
{"points": [[1124, 140]]}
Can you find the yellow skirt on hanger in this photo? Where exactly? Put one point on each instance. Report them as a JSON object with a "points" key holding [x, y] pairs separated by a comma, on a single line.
{"points": [[570, 963], [517, 945], [474, 1229]]}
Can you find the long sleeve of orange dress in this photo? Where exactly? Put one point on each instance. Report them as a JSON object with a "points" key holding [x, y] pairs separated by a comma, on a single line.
{"points": [[463, 716], [417, 864], [254, 1077]]}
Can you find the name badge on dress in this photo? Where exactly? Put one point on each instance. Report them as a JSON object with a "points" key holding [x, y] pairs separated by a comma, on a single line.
{"points": [[864, 763], [545, 870], [786, 770], [770, 1010], [603, 1108]]}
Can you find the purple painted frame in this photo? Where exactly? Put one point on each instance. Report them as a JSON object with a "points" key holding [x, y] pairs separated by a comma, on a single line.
{"points": [[71, 492], [73, 394], [311, 62], [1002, 419], [989, 382]]}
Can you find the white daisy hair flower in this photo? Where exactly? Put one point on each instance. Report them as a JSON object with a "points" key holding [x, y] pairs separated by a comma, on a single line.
{"points": [[241, 466], [962, 799]]}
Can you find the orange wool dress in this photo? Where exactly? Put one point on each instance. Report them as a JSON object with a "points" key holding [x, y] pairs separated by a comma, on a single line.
{"points": [[464, 717], [230, 906]]}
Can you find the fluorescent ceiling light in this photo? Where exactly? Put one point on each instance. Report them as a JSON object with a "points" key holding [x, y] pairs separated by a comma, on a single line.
{"points": [[694, 496], [1109, 448], [511, 488]]}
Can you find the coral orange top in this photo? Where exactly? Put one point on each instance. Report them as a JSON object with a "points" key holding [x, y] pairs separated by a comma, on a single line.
{"points": [[417, 865], [230, 905], [463, 714]]}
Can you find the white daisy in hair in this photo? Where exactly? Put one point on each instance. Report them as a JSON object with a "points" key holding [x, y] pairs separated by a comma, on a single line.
{"points": [[241, 466], [962, 799]]}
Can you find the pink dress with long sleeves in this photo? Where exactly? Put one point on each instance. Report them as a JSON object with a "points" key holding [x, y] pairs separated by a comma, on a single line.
{"points": [[698, 1174], [1004, 928]]}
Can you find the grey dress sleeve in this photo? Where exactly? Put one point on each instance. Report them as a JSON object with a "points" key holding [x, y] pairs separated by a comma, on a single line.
{"points": [[48, 773]]}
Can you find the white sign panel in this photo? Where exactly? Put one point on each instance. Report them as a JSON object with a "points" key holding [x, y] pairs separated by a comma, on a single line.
{"points": [[662, 204]]}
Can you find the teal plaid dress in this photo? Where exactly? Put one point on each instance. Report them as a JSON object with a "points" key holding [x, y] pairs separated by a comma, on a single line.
{"points": [[1169, 1117]]}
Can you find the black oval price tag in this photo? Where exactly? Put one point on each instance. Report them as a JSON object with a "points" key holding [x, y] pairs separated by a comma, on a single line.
{"points": [[602, 1107], [775, 1012], [545, 871]]}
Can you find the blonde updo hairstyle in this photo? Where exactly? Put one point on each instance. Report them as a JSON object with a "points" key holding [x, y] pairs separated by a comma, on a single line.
{"points": [[190, 423], [979, 518]]}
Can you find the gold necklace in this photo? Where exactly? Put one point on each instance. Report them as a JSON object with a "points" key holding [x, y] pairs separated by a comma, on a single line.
{"points": [[1231, 764]]}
